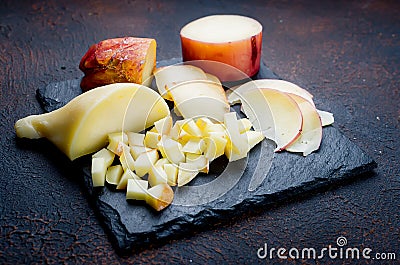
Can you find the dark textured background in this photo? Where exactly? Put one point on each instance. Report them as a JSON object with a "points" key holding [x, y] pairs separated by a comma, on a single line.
{"points": [[347, 53]]}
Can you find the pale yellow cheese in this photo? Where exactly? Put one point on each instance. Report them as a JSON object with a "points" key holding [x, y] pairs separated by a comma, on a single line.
{"points": [[81, 127]]}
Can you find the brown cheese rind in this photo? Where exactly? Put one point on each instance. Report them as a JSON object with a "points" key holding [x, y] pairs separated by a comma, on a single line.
{"points": [[117, 60]]}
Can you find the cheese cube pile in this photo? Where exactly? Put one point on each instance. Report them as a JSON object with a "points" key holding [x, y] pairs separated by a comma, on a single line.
{"points": [[169, 154]]}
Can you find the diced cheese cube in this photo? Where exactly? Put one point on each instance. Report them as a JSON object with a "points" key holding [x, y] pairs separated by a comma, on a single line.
{"points": [[159, 196], [176, 130], [136, 189], [151, 139], [199, 161], [186, 173], [233, 153], [135, 138], [237, 143], [106, 154], [184, 137], [172, 150], [128, 174], [157, 176], [164, 125], [253, 138], [138, 150], [172, 174], [113, 174], [190, 127], [160, 148], [145, 161], [116, 142], [215, 145], [244, 125], [127, 160], [98, 171], [203, 122], [216, 127], [194, 145]]}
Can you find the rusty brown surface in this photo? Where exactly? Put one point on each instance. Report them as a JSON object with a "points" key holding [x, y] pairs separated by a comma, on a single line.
{"points": [[347, 53]]}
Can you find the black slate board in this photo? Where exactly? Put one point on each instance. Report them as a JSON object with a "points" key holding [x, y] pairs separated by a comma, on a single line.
{"points": [[133, 226]]}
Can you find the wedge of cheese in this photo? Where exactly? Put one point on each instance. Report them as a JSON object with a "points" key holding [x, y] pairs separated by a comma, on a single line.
{"points": [[81, 127]]}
